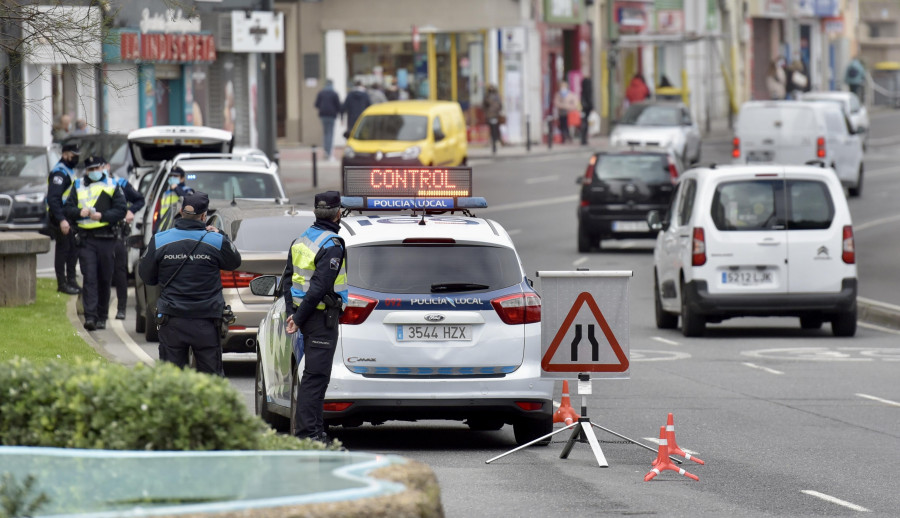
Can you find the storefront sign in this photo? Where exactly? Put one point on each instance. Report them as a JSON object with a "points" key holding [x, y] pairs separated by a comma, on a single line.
{"points": [[564, 11], [767, 8], [172, 21], [130, 45], [632, 17], [826, 8], [512, 40], [833, 26], [670, 22], [257, 31]]}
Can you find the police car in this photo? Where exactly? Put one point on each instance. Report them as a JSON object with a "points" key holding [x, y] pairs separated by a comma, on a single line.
{"points": [[442, 322]]}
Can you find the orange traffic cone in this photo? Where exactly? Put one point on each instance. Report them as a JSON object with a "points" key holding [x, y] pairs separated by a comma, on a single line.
{"points": [[673, 446], [565, 414], [663, 463]]}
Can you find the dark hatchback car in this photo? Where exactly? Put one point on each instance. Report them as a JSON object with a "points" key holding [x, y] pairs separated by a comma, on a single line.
{"points": [[23, 186], [619, 188]]}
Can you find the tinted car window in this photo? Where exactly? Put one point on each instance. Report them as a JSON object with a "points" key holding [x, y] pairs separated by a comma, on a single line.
{"points": [[810, 207], [747, 205], [273, 234], [392, 127], [687, 202], [24, 163], [227, 185], [650, 115], [650, 168], [415, 268]]}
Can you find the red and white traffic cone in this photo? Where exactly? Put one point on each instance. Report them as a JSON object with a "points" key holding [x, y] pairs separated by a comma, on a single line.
{"points": [[663, 463], [566, 414], [673, 446]]}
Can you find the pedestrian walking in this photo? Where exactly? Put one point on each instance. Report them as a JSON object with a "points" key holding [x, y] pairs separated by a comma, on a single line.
{"points": [[61, 130], [797, 79], [493, 114], [637, 89], [329, 105], [317, 275], [855, 77], [168, 204], [59, 185], [564, 102], [376, 94], [776, 81], [587, 105], [135, 202], [80, 127], [97, 205], [186, 263], [355, 103]]}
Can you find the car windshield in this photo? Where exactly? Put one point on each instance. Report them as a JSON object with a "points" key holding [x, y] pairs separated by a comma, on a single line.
{"points": [[651, 115], [225, 185], [421, 268], [777, 120], [392, 127], [268, 234], [24, 163], [761, 205], [649, 168]]}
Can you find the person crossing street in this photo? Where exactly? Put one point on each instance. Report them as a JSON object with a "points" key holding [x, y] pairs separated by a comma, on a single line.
{"points": [[97, 205]]}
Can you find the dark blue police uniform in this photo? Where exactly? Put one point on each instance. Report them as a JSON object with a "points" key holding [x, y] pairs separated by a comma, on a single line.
{"points": [[65, 255], [135, 202]]}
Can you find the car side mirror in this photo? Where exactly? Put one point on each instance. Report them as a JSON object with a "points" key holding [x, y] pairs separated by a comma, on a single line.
{"points": [[264, 286], [136, 241], [654, 221], [438, 135], [579, 180]]}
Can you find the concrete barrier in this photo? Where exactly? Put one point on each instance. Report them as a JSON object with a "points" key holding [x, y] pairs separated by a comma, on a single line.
{"points": [[18, 266]]}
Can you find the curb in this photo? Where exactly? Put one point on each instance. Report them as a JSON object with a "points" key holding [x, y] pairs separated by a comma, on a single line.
{"points": [[878, 313], [78, 326]]}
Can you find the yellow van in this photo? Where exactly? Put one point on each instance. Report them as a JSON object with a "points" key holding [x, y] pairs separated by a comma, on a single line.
{"points": [[411, 133]]}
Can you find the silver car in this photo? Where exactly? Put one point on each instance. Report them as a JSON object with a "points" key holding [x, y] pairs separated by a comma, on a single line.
{"points": [[664, 124]]}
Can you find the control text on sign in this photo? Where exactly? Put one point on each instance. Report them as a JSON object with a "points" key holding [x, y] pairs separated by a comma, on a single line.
{"points": [[452, 182]]}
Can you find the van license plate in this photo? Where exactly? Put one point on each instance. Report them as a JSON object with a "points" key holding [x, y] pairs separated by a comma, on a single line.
{"points": [[433, 333], [747, 277], [630, 226], [759, 156]]}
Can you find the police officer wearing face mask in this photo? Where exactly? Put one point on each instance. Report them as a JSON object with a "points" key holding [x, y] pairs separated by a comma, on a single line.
{"points": [[135, 201], [97, 205], [317, 274], [186, 261], [168, 204], [59, 183]]}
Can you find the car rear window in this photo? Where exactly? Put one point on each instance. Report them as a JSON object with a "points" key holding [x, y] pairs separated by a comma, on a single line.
{"points": [[649, 168], [762, 205], [649, 115], [777, 120], [228, 185], [392, 127], [271, 234], [415, 268], [157, 153]]}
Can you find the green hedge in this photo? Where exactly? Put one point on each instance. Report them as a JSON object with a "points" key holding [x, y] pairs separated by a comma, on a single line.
{"points": [[108, 406]]}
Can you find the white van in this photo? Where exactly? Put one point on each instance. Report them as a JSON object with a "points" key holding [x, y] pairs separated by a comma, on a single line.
{"points": [[755, 240], [790, 132]]}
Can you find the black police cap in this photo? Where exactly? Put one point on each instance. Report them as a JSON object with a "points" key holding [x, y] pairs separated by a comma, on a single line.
{"points": [[195, 203], [70, 148], [328, 200], [94, 161]]}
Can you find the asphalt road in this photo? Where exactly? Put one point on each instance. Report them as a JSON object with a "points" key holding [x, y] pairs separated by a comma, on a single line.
{"points": [[789, 422]]}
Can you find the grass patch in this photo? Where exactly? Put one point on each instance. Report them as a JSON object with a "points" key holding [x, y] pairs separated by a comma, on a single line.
{"points": [[41, 331]]}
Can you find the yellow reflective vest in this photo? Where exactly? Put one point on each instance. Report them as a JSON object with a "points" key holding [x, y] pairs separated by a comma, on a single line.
{"points": [[303, 257], [88, 196]]}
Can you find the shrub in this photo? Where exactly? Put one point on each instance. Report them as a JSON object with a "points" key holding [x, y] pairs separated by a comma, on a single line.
{"points": [[108, 406]]}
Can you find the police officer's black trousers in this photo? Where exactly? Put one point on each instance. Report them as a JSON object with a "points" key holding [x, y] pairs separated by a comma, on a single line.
{"points": [[177, 335], [120, 276], [65, 256], [319, 344], [96, 256]]}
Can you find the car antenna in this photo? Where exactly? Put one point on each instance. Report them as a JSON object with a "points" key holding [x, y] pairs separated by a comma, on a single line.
{"points": [[233, 199], [422, 221]]}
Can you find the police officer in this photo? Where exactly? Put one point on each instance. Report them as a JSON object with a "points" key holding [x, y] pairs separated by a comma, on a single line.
{"points": [[135, 201], [59, 183], [97, 205], [168, 202], [317, 274], [185, 262]]}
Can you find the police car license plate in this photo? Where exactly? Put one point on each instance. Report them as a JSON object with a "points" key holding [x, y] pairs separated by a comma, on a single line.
{"points": [[747, 277], [433, 333], [630, 226]]}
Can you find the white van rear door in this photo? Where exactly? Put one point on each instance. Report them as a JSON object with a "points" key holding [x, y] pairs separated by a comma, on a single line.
{"points": [[778, 133], [746, 245]]}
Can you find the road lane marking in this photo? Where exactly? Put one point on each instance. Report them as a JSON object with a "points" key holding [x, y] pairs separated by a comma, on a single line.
{"points": [[760, 367], [834, 500], [542, 179], [514, 231], [119, 329], [876, 222], [646, 355], [880, 400], [655, 440], [878, 328], [580, 260], [664, 340], [531, 204]]}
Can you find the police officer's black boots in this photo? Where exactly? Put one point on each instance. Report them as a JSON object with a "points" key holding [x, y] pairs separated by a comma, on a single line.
{"points": [[65, 287]]}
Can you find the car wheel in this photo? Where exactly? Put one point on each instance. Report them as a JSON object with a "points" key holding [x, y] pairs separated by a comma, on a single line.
{"points": [[844, 324], [151, 333], [527, 430], [692, 324], [664, 319], [811, 322], [856, 191], [585, 241]]}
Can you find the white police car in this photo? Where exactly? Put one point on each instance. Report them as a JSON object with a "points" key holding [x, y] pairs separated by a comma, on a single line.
{"points": [[442, 322]]}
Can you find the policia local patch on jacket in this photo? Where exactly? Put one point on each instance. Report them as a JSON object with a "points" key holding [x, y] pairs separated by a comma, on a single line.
{"points": [[335, 264]]}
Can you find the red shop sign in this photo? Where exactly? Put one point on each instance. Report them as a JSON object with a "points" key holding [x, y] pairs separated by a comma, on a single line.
{"points": [[180, 48]]}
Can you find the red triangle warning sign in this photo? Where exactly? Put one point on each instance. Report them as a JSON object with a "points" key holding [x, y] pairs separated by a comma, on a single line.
{"points": [[578, 353]]}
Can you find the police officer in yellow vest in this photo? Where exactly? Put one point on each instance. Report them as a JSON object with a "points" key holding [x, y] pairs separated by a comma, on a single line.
{"points": [[97, 205], [317, 275], [168, 202]]}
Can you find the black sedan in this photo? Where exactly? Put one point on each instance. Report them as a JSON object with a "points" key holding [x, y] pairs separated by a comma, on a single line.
{"points": [[23, 186]]}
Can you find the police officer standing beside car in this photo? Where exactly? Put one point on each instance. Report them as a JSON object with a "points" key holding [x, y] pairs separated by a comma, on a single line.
{"points": [[317, 274], [135, 202], [59, 183], [168, 203], [97, 205], [185, 262]]}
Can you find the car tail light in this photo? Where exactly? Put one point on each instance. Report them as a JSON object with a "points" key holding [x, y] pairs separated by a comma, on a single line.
{"points": [[519, 308], [673, 172], [820, 147], [237, 279], [529, 406], [589, 172], [698, 253], [358, 310], [337, 406], [237, 328], [156, 214], [736, 147], [848, 253]]}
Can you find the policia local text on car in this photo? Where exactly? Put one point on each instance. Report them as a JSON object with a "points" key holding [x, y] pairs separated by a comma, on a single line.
{"points": [[186, 262]]}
